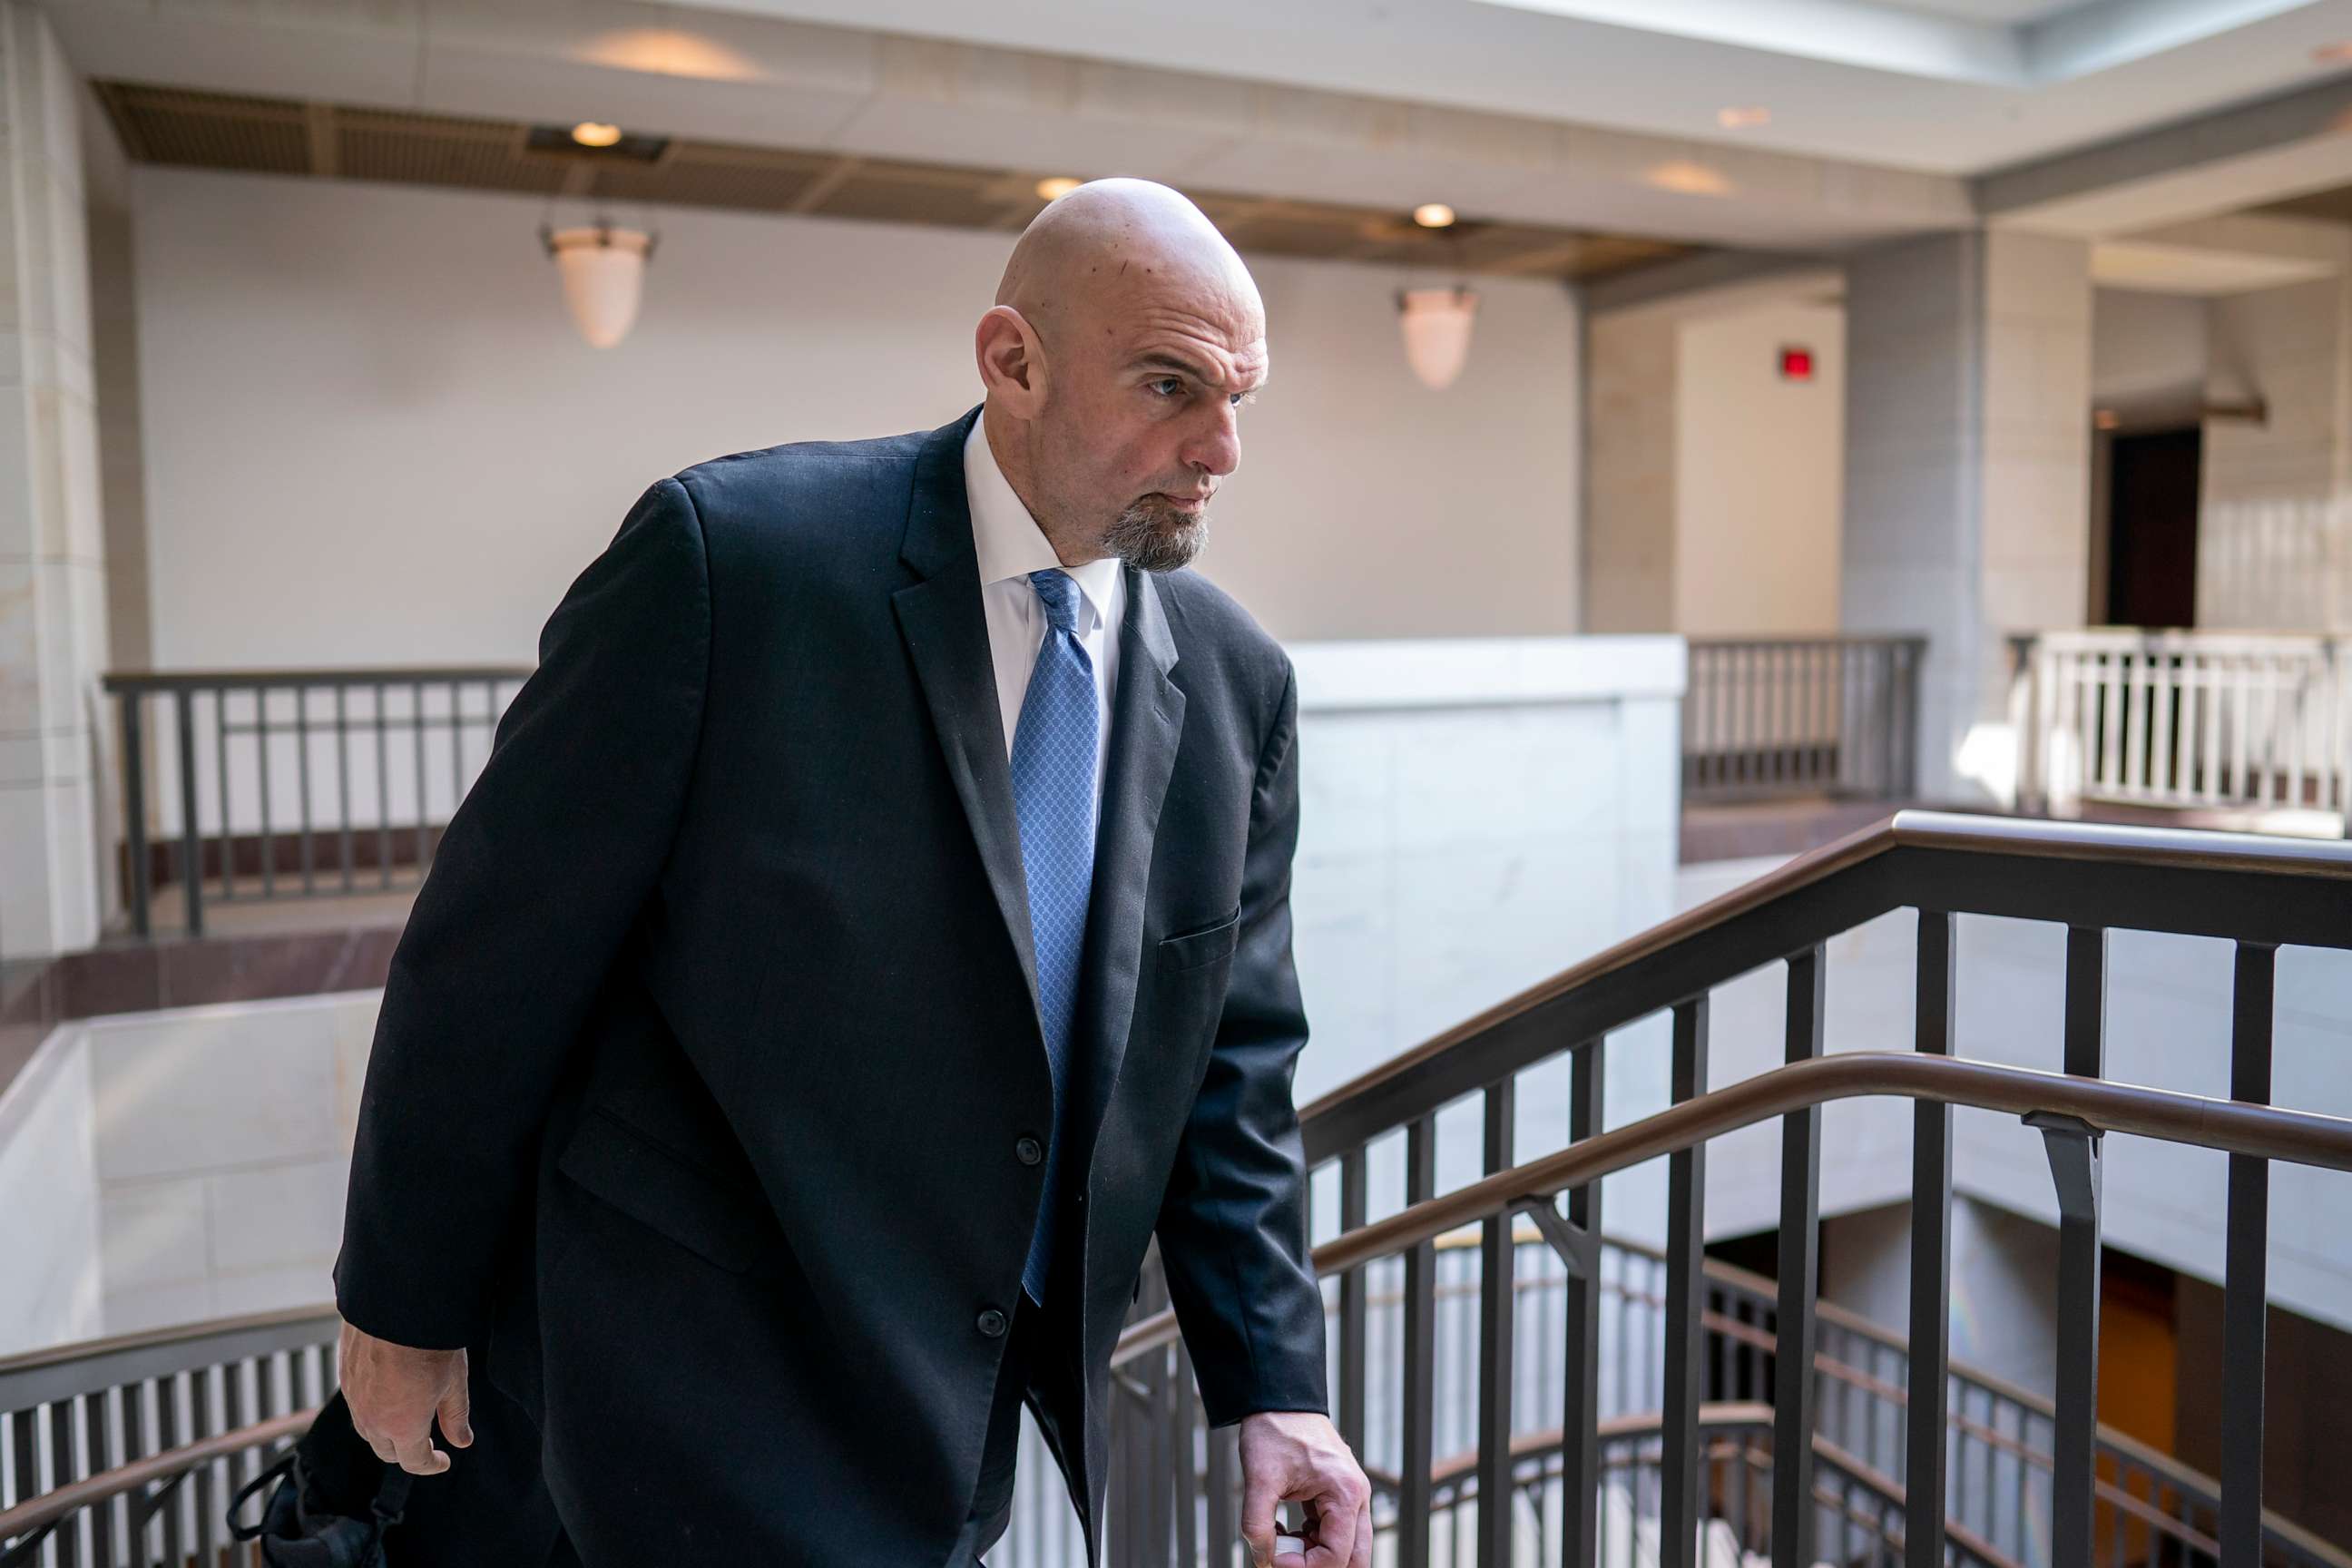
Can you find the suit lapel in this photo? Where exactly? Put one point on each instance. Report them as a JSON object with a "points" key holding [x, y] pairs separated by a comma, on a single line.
{"points": [[1148, 722], [947, 637], [946, 632]]}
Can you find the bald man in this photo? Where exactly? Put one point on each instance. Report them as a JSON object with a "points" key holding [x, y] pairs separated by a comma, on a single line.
{"points": [[870, 930]]}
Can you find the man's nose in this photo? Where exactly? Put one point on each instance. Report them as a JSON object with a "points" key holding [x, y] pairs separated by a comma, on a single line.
{"points": [[1217, 449]]}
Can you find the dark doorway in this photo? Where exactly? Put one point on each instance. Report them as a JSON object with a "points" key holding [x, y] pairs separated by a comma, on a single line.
{"points": [[2152, 528]]}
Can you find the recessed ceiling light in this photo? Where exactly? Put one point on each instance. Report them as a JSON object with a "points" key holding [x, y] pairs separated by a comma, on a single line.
{"points": [[1740, 117], [2105, 419], [1054, 189], [2334, 54], [1433, 214], [1687, 178], [596, 133]]}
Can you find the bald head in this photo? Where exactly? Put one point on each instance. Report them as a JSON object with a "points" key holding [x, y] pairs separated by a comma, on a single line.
{"points": [[1111, 242], [1124, 337]]}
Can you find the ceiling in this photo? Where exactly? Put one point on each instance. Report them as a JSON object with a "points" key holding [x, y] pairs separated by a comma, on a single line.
{"points": [[2336, 206], [2002, 13], [175, 126], [1574, 118], [1943, 86]]}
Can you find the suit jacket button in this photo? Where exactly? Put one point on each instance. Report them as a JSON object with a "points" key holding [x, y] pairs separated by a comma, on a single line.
{"points": [[1028, 1151], [992, 1323]]}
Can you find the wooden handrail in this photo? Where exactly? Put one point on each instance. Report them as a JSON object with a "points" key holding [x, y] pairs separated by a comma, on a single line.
{"points": [[2300, 1136], [122, 680], [1387, 1095], [38, 1513]]}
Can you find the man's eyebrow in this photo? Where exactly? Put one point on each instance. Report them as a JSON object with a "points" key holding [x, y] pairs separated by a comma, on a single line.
{"points": [[1162, 360]]}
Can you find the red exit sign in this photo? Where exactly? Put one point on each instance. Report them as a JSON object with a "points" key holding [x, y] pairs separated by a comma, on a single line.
{"points": [[1796, 364]]}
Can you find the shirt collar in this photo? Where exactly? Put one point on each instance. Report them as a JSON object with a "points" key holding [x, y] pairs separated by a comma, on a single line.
{"points": [[1007, 539]]}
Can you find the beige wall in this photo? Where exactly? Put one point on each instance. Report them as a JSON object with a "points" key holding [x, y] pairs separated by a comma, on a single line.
{"points": [[1759, 473], [371, 434]]}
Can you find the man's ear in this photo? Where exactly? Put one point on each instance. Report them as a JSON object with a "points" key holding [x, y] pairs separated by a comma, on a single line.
{"points": [[1011, 362]]}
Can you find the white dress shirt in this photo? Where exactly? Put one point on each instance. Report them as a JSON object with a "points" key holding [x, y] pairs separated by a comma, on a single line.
{"points": [[1011, 546]]}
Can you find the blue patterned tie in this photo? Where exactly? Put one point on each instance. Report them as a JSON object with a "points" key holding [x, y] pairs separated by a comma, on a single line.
{"points": [[1053, 791]]}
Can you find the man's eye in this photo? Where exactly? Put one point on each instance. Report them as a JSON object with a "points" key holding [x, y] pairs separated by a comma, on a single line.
{"points": [[1168, 386]]}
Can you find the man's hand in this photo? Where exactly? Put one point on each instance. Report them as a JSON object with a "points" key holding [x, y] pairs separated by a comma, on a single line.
{"points": [[1296, 1456], [395, 1392]]}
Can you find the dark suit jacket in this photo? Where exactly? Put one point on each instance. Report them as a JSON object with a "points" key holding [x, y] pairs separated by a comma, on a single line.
{"points": [[704, 1057]]}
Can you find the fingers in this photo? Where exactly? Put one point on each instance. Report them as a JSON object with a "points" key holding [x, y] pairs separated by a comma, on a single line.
{"points": [[1362, 1556], [456, 1415], [395, 1394], [1335, 1533], [418, 1457], [1259, 1495]]}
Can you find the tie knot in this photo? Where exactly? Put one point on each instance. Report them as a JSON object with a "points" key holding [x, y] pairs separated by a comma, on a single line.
{"points": [[1061, 599]]}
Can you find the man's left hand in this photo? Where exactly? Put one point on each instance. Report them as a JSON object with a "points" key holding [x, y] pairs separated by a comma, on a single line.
{"points": [[1296, 1456]]}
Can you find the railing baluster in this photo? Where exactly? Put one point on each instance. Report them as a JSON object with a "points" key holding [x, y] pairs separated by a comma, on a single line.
{"points": [[343, 780], [135, 809], [261, 767], [66, 1466], [457, 744], [1581, 1366], [104, 1455], [192, 833], [1931, 1260], [416, 716], [2073, 1153], [1417, 1450], [2134, 772], [1497, 1274], [1156, 1448], [2246, 1292], [1224, 1528], [2160, 746], [1353, 1210], [169, 1433], [220, 770], [383, 791], [1180, 1427], [1679, 1500], [303, 781], [1799, 1268]]}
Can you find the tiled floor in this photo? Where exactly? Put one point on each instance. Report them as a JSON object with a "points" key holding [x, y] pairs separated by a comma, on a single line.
{"points": [[1792, 827], [251, 949], [1775, 827], [248, 914]]}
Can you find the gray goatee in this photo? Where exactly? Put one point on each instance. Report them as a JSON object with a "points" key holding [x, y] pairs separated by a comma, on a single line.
{"points": [[1156, 536]]}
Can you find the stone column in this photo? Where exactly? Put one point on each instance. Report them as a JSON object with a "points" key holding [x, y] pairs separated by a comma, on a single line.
{"points": [[1629, 472], [2273, 529], [1968, 472], [56, 741]]}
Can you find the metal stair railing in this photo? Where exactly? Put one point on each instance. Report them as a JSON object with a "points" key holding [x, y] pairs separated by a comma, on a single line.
{"points": [[2258, 893], [124, 1451]]}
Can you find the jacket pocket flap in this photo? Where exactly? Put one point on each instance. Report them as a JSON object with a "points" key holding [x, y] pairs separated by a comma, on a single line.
{"points": [[1192, 949], [631, 1172]]}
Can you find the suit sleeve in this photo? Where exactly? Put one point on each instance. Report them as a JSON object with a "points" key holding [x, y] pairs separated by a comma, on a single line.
{"points": [[1232, 1225], [536, 884]]}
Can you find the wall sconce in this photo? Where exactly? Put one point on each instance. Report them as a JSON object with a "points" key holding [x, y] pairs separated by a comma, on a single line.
{"points": [[604, 271], [1436, 323]]}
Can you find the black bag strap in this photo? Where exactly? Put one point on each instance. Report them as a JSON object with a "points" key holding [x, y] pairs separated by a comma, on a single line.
{"points": [[277, 1467], [292, 1536]]}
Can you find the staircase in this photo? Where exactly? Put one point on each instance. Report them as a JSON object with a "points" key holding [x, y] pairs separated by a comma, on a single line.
{"points": [[1886, 1453], [1490, 1342]]}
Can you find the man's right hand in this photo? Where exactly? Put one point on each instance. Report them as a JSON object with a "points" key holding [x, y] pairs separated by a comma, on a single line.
{"points": [[394, 1394]]}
